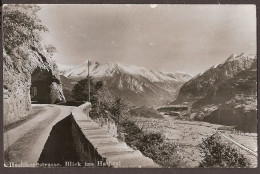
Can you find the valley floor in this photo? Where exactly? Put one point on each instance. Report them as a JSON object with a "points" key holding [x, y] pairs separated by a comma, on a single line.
{"points": [[189, 134]]}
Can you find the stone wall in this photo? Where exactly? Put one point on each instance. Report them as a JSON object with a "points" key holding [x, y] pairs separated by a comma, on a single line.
{"points": [[96, 145], [78, 140], [85, 151], [109, 124], [17, 80]]}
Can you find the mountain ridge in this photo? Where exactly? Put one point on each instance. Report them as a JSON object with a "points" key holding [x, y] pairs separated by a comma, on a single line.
{"points": [[204, 83], [136, 85], [224, 94], [75, 71]]}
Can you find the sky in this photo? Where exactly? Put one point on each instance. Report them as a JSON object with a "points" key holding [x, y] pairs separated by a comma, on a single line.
{"points": [[169, 38]]}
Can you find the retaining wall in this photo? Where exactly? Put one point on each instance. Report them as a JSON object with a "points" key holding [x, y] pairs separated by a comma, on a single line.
{"points": [[93, 143]]}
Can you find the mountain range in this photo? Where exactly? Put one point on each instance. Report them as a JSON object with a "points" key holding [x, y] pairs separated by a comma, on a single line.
{"points": [[136, 85], [225, 93]]}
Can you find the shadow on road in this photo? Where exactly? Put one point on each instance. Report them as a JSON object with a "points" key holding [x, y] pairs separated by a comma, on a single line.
{"points": [[59, 146]]}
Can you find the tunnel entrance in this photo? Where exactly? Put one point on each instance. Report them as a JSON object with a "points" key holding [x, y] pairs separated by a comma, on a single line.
{"points": [[40, 86]]}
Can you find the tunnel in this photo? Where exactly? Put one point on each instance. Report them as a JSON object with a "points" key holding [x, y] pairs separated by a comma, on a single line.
{"points": [[40, 90]]}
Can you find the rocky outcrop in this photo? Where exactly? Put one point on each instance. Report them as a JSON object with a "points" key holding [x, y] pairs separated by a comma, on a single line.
{"points": [[25, 70], [239, 112]]}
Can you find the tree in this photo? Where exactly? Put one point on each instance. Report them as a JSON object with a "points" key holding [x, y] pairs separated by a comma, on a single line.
{"points": [[117, 108], [80, 90], [217, 154], [22, 27], [103, 104]]}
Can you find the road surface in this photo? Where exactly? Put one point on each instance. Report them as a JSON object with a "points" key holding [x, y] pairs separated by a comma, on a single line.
{"points": [[26, 141], [240, 145]]}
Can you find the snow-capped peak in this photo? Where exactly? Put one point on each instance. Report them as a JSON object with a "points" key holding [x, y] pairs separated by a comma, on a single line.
{"points": [[237, 59], [108, 69], [64, 67], [240, 56]]}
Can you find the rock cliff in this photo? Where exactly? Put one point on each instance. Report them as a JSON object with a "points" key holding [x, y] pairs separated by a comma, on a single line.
{"points": [[28, 72]]}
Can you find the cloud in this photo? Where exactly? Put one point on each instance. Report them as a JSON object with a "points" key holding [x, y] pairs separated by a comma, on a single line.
{"points": [[153, 5]]}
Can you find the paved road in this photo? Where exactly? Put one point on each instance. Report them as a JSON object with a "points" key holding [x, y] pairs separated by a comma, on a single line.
{"points": [[26, 141], [240, 145]]}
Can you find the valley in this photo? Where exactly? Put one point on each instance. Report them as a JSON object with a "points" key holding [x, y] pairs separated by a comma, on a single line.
{"points": [[222, 101], [163, 89], [187, 135]]}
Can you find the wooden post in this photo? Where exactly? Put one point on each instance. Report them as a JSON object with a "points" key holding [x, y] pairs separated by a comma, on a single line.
{"points": [[88, 83]]}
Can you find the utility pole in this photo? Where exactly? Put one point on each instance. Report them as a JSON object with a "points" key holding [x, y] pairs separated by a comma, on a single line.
{"points": [[88, 83]]}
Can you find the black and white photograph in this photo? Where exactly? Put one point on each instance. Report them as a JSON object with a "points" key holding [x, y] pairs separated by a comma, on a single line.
{"points": [[129, 85]]}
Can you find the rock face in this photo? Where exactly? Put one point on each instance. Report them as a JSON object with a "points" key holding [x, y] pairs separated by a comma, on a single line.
{"points": [[136, 85], [26, 73], [225, 94], [213, 84], [67, 86], [240, 112]]}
